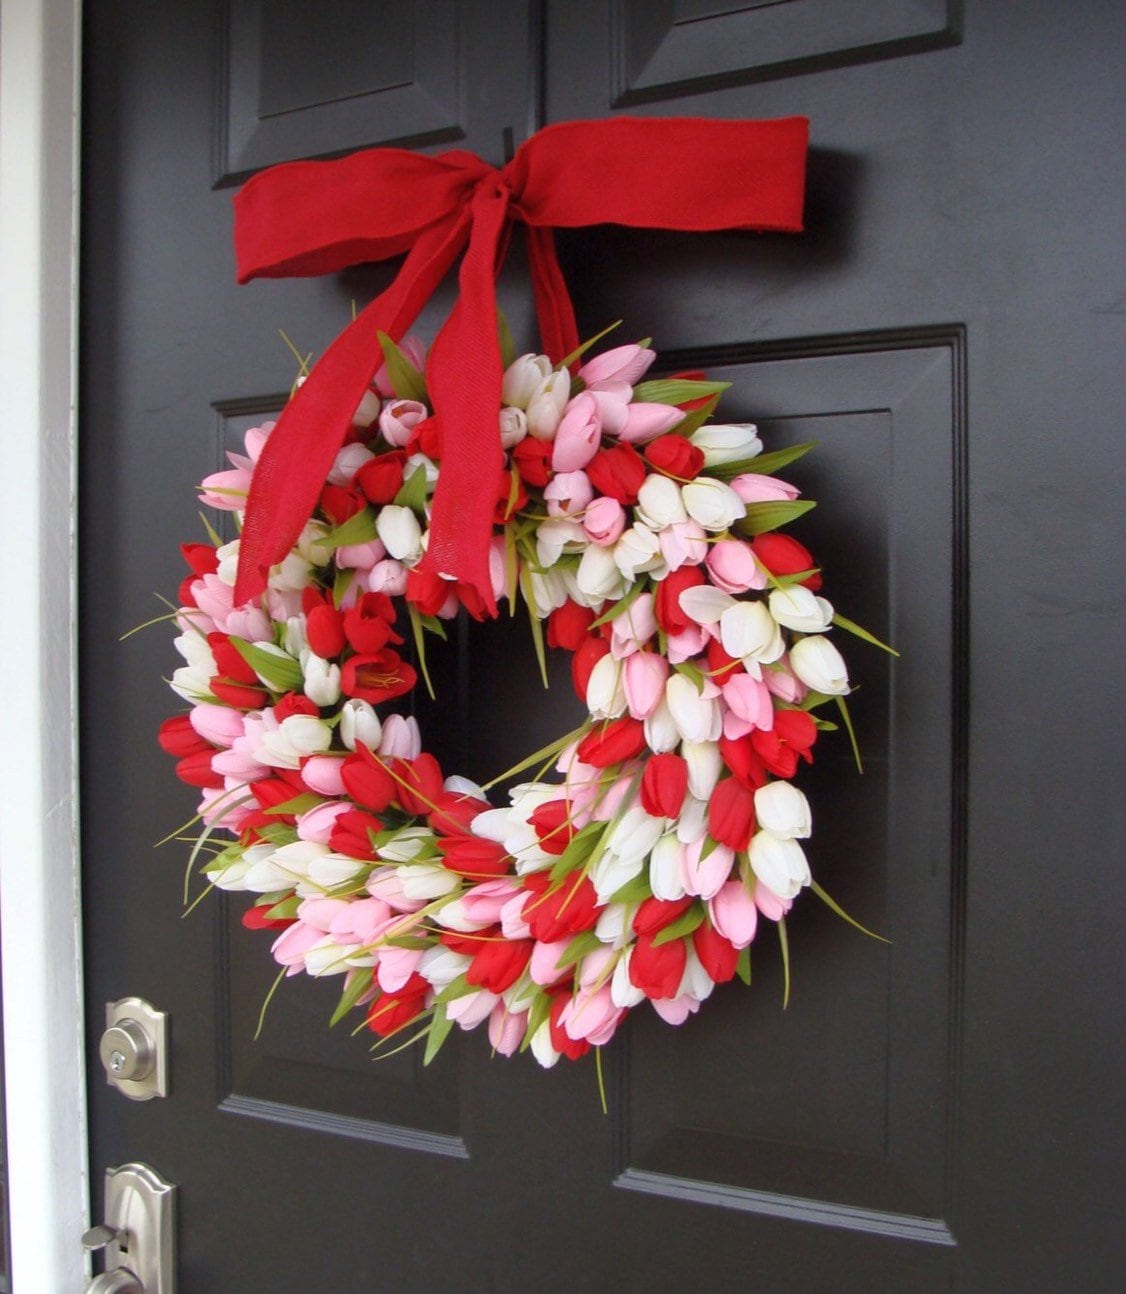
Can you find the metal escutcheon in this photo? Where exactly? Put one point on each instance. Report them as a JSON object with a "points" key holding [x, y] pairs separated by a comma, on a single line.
{"points": [[138, 1235], [134, 1049]]}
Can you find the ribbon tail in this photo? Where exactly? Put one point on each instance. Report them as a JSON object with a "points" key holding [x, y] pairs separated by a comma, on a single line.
{"points": [[558, 331], [300, 451], [464, 378]]}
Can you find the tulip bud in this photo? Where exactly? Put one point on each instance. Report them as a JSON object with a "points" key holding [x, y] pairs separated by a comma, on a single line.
{"points": [[523, 378], [400, 533], [659, 503], [819, 666], [799, 609], [513, 427], [619, 364], [748, 630], [752, 487], [783, 810], [604, 521], [733, 568], [578, 435], [712, 503], [399, 418], [644, 674], [605, 697], [546, 406], [779, 864], [727, 443]]}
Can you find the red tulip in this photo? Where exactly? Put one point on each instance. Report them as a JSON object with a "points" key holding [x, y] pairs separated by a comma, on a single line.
{"points": [[498, 963], [532, 459], [368, 781], [654, 914], [178, 737], [339, 503], [202, 558], [583, 662], [731, 814], [782, 555], [474, 858], [419, 784], [255, 918], [717, 955], [666, 604], [324, 630], [792, 736], [553, 827], [618, 472], [613, 742], [382, 477], [378, 676], [675, 456], [663, 785], [743, 761], [368, 624], [196, 770], [568, 626], [352, 833], [657, 969], [558, 913], [561, 1040], [391, 1011]]}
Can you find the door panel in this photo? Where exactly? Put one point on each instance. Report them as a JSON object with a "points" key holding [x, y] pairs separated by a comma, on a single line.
{"points": [[903, 1126]]}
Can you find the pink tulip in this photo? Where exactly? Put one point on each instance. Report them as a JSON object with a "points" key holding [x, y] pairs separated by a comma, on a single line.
{"points": [[644, 676], [608, 806], [388, 576], [704, 876], [771, 905], [321, 773], [613, 400], [604, 521], [226, 490], [750, 700], [683, 544], [578, 435], [293, 943], [401, 738], [362, 921], [645, 422], [568, 493], [360, 557], [691, 642], [483, 903], [512, 922], [783, 684], [595, 967], [733, 913], [619, 364], [384, 883], [632, 630], [396, 966], [733, 567], [399, 419], [225, 808], [470, 1010], [218, 724], [321, 912], [753, 487], [318, 823], [675, 1010], [592, 1016], [506, 1029]]}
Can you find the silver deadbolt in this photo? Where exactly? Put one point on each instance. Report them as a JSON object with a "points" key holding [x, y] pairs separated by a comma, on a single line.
{"points": [[134, 1049], [138, 1235]]}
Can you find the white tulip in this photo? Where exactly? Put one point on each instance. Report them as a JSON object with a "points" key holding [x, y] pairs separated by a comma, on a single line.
{"points": [[695, 981], [705, 764], [330, 869], [322, 680], [799, 608], [523, 378], [704, 604], [513, 427], [556, 535], [548, 589], [659, 503], [598, 576], [779, 864], [299, 735], [664, 869], [400, 533], [749, 630], [727, 443], [661, 732], [605, 695], [637, 550], [624, 993], [693, 820], [712, 503], [546, 406], [359, 723], [541, 1047], [783, 810], [819, 666], [424, 881], [698, 716], [440, 966], [611, 872]]}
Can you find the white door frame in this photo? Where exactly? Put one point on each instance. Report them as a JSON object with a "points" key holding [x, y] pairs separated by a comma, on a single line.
{"points": [[39, 875]]}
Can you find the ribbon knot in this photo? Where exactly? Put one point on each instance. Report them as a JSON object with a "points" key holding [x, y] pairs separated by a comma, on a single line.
{"points": [[305, 218]]}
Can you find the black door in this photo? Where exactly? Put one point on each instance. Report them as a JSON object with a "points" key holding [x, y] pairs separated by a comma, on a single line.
{"points": [[932, 1115]]}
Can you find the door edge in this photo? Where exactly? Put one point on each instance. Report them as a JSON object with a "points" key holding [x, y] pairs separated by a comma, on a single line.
{"points": [[40, 936]]}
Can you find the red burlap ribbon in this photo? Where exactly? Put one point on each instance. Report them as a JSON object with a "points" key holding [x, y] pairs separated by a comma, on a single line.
{"points": [[303, 218]]}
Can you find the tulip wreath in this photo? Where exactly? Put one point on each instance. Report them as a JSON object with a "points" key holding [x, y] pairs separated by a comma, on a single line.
{"points": [[640, 537]]}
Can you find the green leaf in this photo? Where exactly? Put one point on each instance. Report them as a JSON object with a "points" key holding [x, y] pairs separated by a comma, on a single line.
{"points": [[420, 647], [359, 529], [580, 351], [836, 907], [455, 989], [437, 1034], [353, 991], [341, 583], [762, 517], [299, 804], [412, 493], [692, 672], [635, 891], [406, 381], [580, 845], [433, 625], [504, 337], [784, 941], [285, 910], [676, 390], [578, 948], [534, 621], [847, 718], [279, 673], [694, 419], [768, 464], [683, 925], [537, 1014], [850, 626], [743, 965], [621, 606], [797, 577]]}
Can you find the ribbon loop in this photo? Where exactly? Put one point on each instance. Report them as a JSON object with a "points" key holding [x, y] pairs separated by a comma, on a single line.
{"points": [[304, 218]]}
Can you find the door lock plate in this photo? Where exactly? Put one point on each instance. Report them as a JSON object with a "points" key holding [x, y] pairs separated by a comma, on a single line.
{"points": [[134, 1049]]}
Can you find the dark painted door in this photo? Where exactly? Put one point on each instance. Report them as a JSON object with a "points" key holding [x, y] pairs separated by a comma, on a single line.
{"points": [[934, 1115]]}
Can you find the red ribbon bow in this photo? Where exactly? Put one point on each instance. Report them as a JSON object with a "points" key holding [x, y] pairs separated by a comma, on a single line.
{"points": [[303, 218]]}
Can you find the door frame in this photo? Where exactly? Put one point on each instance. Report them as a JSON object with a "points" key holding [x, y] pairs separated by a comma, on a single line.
{"points": [[40, 912]]}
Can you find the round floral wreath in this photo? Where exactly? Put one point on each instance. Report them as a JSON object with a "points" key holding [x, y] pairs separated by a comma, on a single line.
{"points": [[648, 541]]}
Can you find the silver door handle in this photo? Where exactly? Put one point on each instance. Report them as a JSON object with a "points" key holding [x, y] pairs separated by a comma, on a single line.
{"points": [[119, 1281]]}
